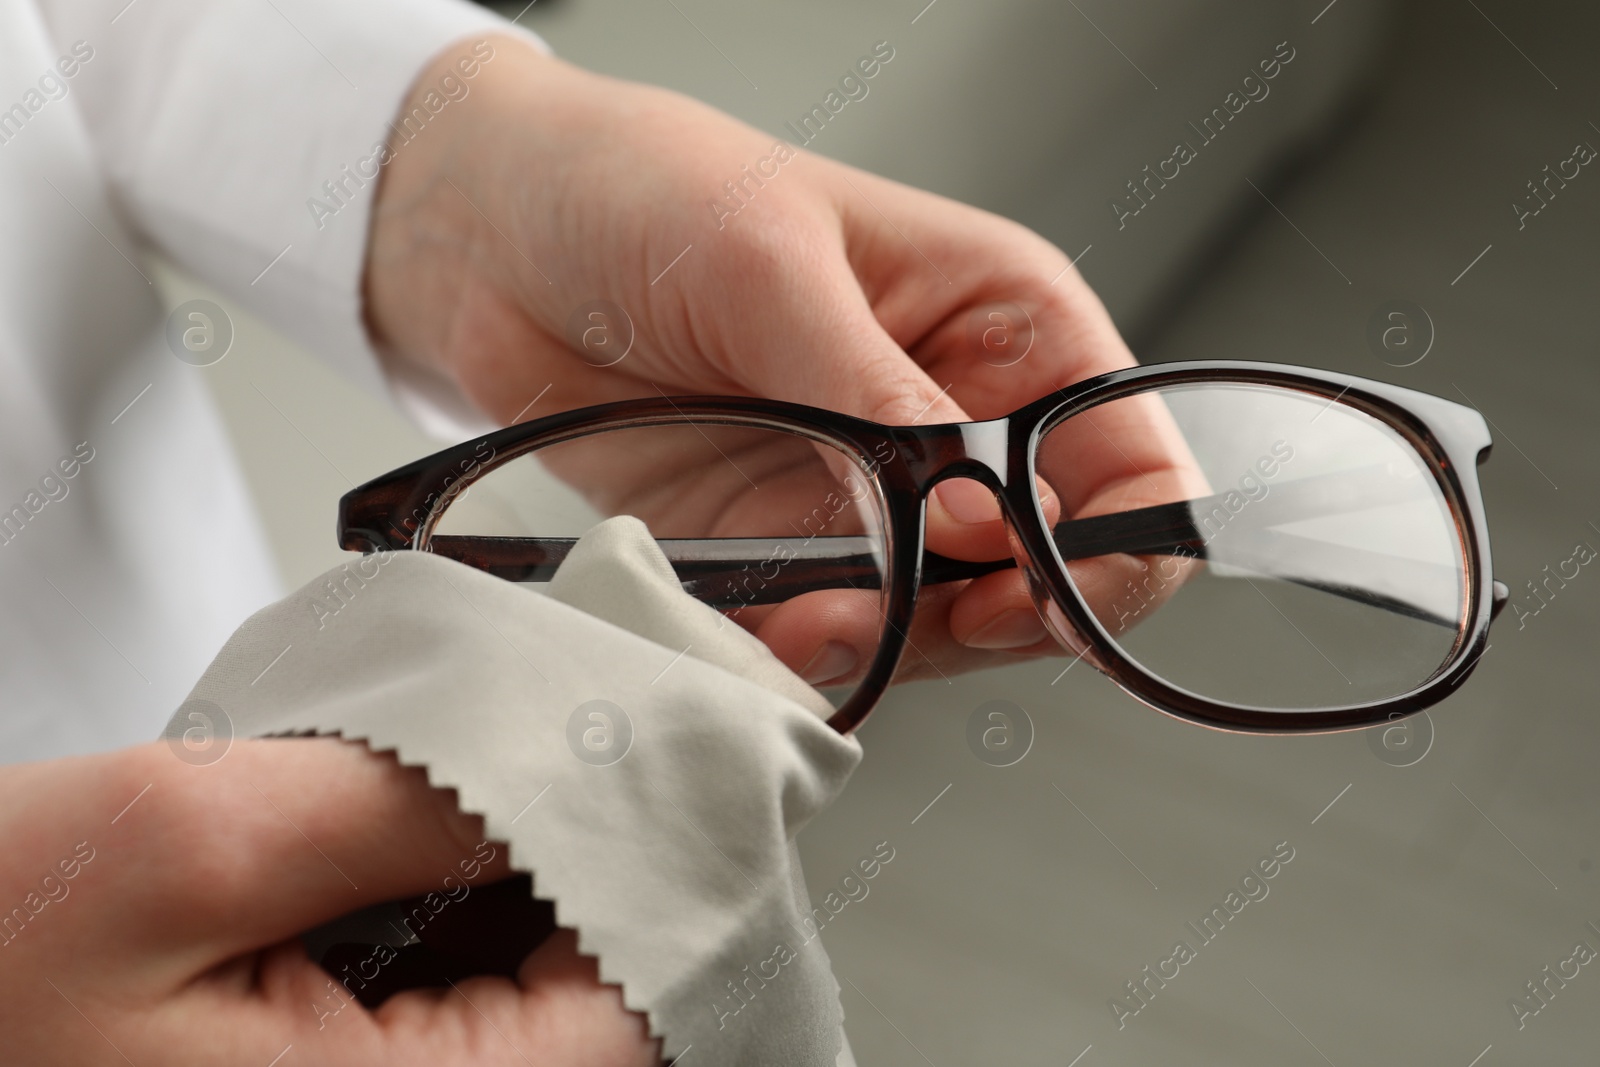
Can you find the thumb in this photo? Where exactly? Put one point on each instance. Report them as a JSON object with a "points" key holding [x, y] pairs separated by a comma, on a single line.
{"points": [[278, 837], [823, 345], [835, 354]]}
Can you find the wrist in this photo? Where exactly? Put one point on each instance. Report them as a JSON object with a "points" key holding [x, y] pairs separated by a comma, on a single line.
{"points": [[430, 214]]}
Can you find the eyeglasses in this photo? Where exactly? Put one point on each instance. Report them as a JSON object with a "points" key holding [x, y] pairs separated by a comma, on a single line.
{"points": [[1247, 546]]}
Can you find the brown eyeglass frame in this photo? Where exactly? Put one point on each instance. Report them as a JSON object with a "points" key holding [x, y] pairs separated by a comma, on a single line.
{"points": [[401, 509]]}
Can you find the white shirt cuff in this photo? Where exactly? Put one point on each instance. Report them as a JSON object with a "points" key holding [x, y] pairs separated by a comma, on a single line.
{"points": [[219, 125]]}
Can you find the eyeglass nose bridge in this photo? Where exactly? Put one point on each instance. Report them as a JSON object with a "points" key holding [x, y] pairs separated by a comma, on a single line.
{"points": [[981, 451], [989, 453]]}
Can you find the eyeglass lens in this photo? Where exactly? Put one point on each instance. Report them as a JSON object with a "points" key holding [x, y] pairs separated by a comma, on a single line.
{"points": [[801, 554], [1311, 561]]}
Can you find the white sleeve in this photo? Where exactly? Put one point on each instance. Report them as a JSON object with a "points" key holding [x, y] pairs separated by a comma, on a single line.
{"points": [[218, 124]]}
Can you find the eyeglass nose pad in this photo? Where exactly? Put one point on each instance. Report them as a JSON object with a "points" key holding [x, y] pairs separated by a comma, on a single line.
{"points": [[1055, 620], [1501, 597]]}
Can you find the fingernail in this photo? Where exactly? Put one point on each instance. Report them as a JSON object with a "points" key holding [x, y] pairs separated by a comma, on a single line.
{"points": [[967, 501], [833, 660], [1017, 628], [1045, 492]]}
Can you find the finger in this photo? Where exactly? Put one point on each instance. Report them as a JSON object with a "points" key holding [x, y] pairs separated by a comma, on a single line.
{"points": [[827, 637], [813, 338], [557, 1011], [1052, 334], [821, 343], [1054, 329], [581, 1012], [278, 837], [995, 612], [1059, 330], [980, 262]]}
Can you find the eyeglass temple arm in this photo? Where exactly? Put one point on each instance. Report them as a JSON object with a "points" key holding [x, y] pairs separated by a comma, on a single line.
{"points": [[755, 570], [778, 568], [729, 571], [736, 571]]}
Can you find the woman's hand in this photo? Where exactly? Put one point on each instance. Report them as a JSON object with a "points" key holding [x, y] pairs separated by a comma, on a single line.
{"points": [[549, 188], [151, 912]]}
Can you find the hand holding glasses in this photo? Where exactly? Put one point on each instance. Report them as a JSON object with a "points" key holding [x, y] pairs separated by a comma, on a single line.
{"points": [[1243, 545]]}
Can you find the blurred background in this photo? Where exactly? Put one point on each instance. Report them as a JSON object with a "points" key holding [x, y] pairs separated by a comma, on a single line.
{"points": [[1436, 869]]}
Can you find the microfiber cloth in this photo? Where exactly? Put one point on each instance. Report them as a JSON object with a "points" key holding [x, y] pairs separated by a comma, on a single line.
{"points": [[647, 760]]}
